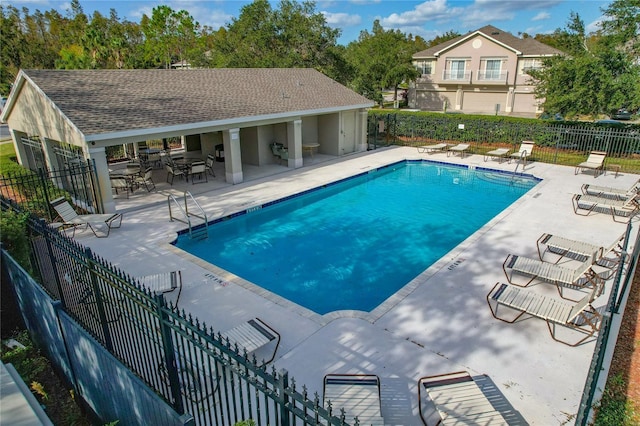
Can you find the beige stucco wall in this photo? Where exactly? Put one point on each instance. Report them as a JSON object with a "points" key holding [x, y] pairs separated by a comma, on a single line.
{"points": [[310, 129], [329, 133], [35, 115]]}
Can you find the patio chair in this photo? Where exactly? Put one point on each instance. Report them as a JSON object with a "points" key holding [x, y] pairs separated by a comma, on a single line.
{"points": [[163, 282], [500, 154], [579, 250], [457, 399], [595, 162], [172, 172], [433, 148], [577, 278], [198, 168], [462, 148], [357, 394], [94, 221], [580, 316], [146, 180], [154, 159], [610, 192], [279, 150], [120, 184], [617, 208], [209, 164], [524, 152], [251, 336]]}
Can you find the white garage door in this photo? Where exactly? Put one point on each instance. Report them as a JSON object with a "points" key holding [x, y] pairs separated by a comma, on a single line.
{"points": [[483, 102], [524, 102]]}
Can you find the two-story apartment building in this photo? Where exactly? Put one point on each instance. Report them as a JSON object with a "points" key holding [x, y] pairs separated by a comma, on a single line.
{"points": [[483, 71]]}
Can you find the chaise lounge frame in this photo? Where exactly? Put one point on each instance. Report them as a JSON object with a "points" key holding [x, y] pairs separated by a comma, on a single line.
{"points": [[581, 316]]}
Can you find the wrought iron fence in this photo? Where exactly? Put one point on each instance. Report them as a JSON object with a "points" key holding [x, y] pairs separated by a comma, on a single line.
{"points": [[34, 190], [193, 368], [556, 142], [622, 281]]}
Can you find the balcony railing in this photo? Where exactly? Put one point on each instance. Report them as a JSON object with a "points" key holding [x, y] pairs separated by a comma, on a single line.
{"points": [[457, 76], [498, 77]]}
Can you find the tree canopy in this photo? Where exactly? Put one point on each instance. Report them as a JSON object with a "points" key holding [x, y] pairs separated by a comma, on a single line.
{"points": [[598, 72]]}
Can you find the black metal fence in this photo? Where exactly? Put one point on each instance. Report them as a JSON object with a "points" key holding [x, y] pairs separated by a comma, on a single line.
{"points": [[556, 142], [33, 190], [621, 284], [193, 368]]}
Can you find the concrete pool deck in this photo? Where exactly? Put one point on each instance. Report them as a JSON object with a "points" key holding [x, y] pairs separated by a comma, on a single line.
{"points": [[438, 323]]}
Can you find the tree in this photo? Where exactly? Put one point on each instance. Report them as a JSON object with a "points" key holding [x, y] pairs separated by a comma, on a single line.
{"points": [[622, 28], [382, 59], [294, 35], [597, 77], [168, 35]]}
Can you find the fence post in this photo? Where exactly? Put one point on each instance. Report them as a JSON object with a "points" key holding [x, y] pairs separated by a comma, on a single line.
{"points": [[43, 183], [283, 385], [99, 300], [169, 354], [46, 231]]}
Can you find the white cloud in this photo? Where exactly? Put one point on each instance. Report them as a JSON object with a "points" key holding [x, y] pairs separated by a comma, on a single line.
{"points": [[341, 19], [424, 12], [595, 25], [542, 16]]}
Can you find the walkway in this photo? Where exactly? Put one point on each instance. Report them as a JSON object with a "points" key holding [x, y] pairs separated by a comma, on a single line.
{"points": [[438, 323]]}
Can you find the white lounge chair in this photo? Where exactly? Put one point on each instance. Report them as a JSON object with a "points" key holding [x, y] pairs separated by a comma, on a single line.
{"points": [[577, 278], [163, 282], [357, 394], [524, 152], [610, 192], [500, 154], [433, 148], [595, 162], [462, 148], [617, 208], [96, 221], [251, 336], [458, 400], [580, 316], [578, 250]]}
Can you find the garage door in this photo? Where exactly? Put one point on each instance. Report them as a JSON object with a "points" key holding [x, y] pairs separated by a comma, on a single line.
{"points": [[524, 102], [483, 102], [434, 101]]}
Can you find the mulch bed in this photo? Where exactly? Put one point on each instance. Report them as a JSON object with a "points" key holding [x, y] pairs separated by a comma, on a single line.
{"points": [[626, 357]]}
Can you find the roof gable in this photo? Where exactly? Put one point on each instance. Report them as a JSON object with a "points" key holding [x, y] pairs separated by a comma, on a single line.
{"points": [[110, 101], [520, 46]]}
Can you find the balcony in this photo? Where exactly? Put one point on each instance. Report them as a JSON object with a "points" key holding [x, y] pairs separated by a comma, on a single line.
{"points": [[492, 77], [460, 77]]}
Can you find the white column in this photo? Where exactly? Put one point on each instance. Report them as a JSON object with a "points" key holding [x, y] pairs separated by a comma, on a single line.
{"points": [[294, 142], [361, 130], [99, 155], [232, 156]]}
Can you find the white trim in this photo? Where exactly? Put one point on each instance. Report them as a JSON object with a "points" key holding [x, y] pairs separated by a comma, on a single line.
{"points": [[473, 34], [227, 123]]}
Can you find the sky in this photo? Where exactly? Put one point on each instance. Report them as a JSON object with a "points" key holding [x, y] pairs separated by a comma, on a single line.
{"points": [[427, 19]]}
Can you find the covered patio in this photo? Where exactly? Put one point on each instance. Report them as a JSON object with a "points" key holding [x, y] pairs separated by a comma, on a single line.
{"points": [[57, 117]]}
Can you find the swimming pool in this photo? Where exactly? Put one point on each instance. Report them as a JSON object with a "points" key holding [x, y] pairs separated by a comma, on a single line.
{"points": [[352, 244]]}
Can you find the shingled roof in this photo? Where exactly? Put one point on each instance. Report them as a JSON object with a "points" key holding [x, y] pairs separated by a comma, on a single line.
{"points": [[107, 101], [526, 46]]}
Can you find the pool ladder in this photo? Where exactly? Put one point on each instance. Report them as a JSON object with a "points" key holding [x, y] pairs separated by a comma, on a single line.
{"points": [[201, 232]]}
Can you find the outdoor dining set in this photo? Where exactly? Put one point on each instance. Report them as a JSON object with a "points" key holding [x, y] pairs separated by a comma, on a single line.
{"points": [[138, 171]]}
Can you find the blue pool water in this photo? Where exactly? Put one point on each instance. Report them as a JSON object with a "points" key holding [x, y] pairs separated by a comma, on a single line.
{"points": [[352, 244]]}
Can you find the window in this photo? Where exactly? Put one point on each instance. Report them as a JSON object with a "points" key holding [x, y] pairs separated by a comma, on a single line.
{"points": [[457, 69], [529, 64], [425, 67], [492, 69]]}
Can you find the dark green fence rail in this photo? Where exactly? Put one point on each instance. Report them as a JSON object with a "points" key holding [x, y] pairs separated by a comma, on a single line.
{"points": [[191, 366], [565, 143]]}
